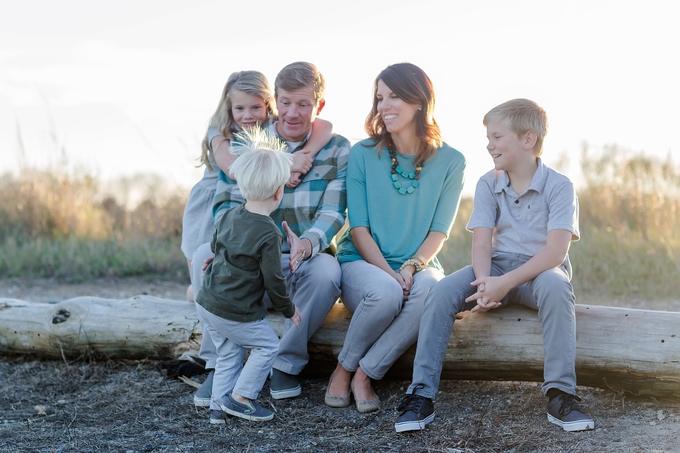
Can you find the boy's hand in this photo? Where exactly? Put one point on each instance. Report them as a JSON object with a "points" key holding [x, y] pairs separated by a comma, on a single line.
{"points": [[490, 290], [294, 179], [207, 262], [296, 318], [302, 161]]}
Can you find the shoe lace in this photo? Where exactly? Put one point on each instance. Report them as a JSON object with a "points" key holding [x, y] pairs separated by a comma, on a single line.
{"points": [[412, 402], [569, 404]]}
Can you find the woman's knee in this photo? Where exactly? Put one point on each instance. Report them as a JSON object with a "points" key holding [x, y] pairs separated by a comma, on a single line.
{"points": [[385, 292]]}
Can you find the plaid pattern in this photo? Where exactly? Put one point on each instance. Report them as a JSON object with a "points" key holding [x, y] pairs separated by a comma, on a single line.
{"points": [[316, 208]]}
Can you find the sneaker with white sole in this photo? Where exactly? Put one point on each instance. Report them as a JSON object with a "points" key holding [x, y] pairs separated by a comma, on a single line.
{"points": [[218, 417], [564, 411], [415, 413], [251, 411], [283, 385], [204, 392]]}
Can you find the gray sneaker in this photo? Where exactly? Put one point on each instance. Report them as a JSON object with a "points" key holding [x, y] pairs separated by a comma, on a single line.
{"points": [[564, 411], [283, 385], [204, 393], [251, 411]]}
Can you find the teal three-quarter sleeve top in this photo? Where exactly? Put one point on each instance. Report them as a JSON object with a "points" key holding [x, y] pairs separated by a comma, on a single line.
{"points": [[399, 223]]}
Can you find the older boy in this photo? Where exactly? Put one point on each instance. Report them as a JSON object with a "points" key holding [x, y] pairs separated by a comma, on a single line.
{"points": [[247, 248], [524, 218]]}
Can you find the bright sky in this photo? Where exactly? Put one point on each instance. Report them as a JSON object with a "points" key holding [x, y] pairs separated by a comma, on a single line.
{"points": [[127, 87]]}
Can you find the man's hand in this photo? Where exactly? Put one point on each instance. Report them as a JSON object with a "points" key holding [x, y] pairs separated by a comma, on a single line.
{"points": [[299, 248]]}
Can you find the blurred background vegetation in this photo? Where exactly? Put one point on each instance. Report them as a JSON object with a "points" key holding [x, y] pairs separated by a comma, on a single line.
{"points": [[63, 224]]}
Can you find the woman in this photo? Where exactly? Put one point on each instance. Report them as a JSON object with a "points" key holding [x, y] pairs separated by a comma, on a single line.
{"points": [[403, 189]]}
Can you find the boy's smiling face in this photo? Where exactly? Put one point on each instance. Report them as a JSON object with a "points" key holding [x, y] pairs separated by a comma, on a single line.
{"points": [[507, 149]]}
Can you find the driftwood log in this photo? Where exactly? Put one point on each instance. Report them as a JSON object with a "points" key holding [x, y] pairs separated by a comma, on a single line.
{"points": [[636, 352]]}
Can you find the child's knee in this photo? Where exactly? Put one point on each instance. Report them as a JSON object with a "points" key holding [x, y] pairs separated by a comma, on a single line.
{"points": [[555, 285]]}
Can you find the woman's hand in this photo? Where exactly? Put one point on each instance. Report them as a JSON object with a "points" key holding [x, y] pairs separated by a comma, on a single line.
{"points": [[405, 279]]}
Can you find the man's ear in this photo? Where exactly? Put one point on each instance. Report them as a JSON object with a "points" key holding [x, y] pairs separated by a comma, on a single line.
{"points": [[530, 139], [322, 103], [278, 195]]}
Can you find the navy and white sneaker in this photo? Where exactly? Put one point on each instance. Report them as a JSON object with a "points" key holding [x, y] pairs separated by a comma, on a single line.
{"points": [[564, 411], [416, 412], [204, 392], [218, 417], [251, 411]]}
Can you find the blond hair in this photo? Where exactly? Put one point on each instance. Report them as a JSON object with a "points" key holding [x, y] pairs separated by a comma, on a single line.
{"points": [[521, 116], [262, 165], [301, 75], [251, 82]]}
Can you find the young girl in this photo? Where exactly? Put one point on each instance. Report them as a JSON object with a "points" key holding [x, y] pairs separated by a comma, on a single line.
{"points": [[246, 101]]}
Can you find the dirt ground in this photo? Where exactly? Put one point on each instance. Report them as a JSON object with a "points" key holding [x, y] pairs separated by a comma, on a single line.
{"points": [[125, 406]]}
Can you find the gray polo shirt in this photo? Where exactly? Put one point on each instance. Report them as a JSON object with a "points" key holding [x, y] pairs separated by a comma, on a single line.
{"points": [[521, 223]]}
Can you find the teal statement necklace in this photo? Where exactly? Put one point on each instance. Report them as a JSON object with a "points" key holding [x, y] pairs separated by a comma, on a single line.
{"points": [[397, 170]]}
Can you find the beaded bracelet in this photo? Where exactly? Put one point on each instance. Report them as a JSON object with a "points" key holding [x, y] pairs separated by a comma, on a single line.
{"points": [[422, 259], [416, 263]]}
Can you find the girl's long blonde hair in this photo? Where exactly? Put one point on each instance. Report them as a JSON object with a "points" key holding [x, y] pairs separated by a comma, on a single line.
{"points": [[251, 82]]}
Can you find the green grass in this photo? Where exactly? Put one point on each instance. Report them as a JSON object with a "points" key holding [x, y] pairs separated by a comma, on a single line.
{"points": [[79, 259]]}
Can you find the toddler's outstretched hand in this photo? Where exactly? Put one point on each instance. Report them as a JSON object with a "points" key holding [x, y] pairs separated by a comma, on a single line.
{"points": [[296, 318]]}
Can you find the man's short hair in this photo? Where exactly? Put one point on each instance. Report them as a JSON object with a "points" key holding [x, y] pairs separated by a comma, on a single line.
{"points": [[262, 165], [301, 75], [521, 116]]}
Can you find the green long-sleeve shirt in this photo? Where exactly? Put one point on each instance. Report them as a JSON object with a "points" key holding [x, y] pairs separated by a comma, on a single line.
{"points": [[247, 263]]}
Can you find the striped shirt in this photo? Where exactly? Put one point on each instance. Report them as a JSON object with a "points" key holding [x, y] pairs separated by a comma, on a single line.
{"points": [[316, 208]]}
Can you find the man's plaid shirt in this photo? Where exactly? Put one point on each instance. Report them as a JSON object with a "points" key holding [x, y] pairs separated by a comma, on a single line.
{"points": [[316, 208]]}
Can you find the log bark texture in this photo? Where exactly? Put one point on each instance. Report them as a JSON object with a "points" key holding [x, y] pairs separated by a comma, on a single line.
{"points": [[636, 352], [135, 328]]}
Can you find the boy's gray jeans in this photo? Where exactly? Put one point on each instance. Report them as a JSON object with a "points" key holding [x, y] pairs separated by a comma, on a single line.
{"points": [[314, 288], [550, 293]]}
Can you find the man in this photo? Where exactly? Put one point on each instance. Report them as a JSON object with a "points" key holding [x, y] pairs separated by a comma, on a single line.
{"points": [[314, 211]]}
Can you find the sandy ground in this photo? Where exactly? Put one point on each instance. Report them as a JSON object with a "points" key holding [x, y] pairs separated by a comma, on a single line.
{"points": [[59, 406]]}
